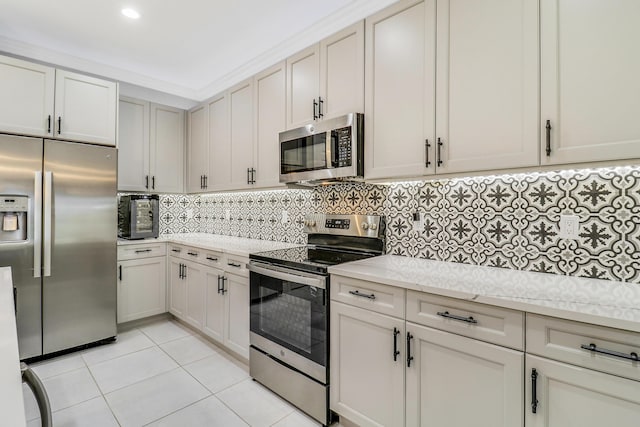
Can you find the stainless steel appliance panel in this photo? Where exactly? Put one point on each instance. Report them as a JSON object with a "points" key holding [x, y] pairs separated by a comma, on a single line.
{"points": [[79, 244], [20, 166]]}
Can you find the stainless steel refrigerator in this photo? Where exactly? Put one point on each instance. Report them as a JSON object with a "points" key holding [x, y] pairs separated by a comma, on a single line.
{"points": [[58, 226]]}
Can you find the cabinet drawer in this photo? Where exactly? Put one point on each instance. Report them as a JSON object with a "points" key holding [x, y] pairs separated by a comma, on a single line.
{"points": [[236, 265], [212, 259], [483, 322], [143, 250], [186, 252], [563, 340], [370, 295]]}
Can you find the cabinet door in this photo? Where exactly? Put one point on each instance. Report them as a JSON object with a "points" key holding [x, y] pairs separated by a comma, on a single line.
{"points": [[487, 84], [270, 119], [198, 148], [303, 86], [219, 145], [26, 97], [166, 149], [448, 369], [590, 86], [399, 85], [85, 108], [236, 292], [342, 72], [177, 288], [367, 384], [141, 288], [133, 145], [568, 395], [214, 313], [241, 134], [195, 294]]}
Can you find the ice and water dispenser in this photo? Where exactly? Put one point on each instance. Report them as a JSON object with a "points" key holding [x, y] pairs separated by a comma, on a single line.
{"points": [[13, 218]]}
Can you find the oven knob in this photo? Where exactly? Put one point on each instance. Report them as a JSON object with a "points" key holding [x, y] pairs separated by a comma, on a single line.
{"points": [[373, 226], [312, 223], [365, 225]]}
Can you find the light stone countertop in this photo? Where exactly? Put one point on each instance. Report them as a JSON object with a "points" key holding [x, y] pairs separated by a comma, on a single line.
{"points": [[602, 302], [239, 246], [11, 403]]}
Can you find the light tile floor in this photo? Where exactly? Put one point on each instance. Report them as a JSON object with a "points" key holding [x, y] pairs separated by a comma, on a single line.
{"points": [[158, 374]]}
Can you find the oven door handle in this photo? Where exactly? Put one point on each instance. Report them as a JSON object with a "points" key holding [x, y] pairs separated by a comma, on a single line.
{"points": [[318, 282]]}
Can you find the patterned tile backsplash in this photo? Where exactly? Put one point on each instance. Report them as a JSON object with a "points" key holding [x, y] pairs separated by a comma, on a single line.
{"points": [[508, 221]]}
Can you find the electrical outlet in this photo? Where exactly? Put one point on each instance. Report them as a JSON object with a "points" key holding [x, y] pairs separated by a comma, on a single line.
{"points": [[569, 226], [189, 213], [418, 221], [227, 214], [285, 217]]}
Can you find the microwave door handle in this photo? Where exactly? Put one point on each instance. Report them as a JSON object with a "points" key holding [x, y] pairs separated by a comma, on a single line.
{"points": [[331, 153]]}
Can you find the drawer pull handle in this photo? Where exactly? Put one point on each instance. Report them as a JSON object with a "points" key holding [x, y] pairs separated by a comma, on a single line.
{"points": [[594, 348], [534, 390], [359, 294], [192, 253], [396, 352], [141, 251], [175, 250], [233, 264], [212, 259], [446, 314]]}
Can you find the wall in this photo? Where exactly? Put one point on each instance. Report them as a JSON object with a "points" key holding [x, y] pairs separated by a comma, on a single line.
{"points": [[505, 221]]}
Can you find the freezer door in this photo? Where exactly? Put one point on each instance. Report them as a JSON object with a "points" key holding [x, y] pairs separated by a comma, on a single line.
{"points": [[20, 172], [79, 244]]}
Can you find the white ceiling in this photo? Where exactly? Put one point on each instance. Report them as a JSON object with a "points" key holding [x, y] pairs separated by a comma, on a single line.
{"points": [[187, 48]]}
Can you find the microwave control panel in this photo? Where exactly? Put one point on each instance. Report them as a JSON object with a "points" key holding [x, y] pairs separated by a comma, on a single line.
{"points": [[342, 138]]}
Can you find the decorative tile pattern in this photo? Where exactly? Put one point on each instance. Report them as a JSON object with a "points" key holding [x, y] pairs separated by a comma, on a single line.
{"points": [[508, 221]]}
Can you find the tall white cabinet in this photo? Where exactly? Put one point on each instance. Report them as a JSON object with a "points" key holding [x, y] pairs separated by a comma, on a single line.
{"points": [[151, 147], [452, 86], [590, 85], [198, 148]]}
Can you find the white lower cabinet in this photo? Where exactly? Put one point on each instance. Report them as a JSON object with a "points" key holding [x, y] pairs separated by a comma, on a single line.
{"points": [[447, 369], [142, 281], [141, 288], [236, 314], [367, 384], [177, 288], [214, 318], [570, 396], [194, 294]]}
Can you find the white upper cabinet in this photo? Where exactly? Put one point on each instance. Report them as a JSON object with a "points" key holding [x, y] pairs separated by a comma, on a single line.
{"points": [[342, 72], [167, 149], [151, 147], [26, 97], [303, 87], [326, 79], [451, 88], [85, 108], [241, 135], [270, 119], [133, 145], [590, 87], [42, 101], [219, 177], [487, 85], [198, 148], [400, 79]]}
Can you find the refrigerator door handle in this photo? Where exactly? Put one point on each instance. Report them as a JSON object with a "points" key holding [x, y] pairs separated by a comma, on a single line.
{"points": [[37, 222], [48, 186]]}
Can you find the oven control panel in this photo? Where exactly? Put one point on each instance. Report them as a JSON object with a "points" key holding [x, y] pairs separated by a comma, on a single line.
{"points": [[345, 225]]}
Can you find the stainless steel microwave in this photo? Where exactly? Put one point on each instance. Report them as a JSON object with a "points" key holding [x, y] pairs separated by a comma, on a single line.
{"points": [[328, 150]]}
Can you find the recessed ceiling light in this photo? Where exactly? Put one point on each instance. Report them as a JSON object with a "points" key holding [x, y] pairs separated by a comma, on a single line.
{"points": [[130, 13]]}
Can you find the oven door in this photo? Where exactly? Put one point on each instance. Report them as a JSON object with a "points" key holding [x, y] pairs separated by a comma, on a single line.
{"points": [[289, 308]]}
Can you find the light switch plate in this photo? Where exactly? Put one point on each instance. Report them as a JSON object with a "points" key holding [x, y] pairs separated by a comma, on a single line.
{"points": [[285, 217], [227, 214], [569, 226]]}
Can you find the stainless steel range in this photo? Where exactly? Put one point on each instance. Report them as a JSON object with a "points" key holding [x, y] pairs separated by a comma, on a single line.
{"points": [[290, 307]]}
